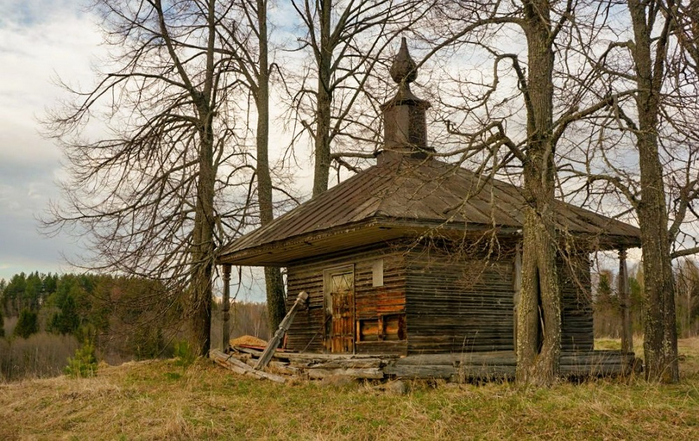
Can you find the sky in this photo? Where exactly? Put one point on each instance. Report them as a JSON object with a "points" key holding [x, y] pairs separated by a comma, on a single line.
{"points": [[40, 41]]}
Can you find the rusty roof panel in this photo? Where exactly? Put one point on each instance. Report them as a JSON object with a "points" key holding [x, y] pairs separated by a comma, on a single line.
{"points": [[419, 191]]}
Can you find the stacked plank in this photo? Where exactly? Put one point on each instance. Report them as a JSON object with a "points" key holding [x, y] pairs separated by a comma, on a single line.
{"points": [[316, 366]]}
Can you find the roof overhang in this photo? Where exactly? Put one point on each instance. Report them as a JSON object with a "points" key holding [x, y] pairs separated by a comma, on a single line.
{"points": [[380, 230]]}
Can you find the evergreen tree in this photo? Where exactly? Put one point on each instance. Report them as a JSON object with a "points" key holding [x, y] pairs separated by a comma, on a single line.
{"points": [[14, 294], [27, 324], [67, 321]]}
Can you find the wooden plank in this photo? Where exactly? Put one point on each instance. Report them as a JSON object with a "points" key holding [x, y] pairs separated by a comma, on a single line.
{"points": [[237, 366], [483, 372], [278, 367], [595, 370], [348, 364], [254, 352], [359, 373], [320, 358]]}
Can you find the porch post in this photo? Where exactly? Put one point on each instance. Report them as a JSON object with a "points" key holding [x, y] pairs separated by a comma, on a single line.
{"points": [[623, 291], [226, 334], [517, 289]]}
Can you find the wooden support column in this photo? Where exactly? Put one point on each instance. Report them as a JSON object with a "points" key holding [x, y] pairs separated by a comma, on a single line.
{"points": [[624, 302], [226, 334], [517, 279]]}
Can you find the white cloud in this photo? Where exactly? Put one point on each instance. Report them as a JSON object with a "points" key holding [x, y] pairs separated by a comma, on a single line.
{"points": [[40, 40]]}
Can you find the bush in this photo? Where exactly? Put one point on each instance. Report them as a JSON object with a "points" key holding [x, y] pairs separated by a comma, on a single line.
{"points": [[184, 354], [84, 363], [148, 343]]}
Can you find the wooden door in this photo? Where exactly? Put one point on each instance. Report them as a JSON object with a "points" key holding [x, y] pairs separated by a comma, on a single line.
{"points": [[341, 299]]}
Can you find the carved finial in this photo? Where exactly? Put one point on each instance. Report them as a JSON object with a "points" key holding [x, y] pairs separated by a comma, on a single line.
{"points": [[403, 68], [405, 127]]}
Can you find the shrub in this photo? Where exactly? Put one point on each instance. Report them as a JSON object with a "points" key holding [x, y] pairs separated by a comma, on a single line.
{"points": [[84, 363], [148, 343], [184, 354]]}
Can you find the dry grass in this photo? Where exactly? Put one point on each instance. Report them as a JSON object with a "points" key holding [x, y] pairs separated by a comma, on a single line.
{"points": [[40, 355], [159, 400]]}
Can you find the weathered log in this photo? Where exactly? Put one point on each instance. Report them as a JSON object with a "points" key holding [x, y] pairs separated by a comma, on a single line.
{"points": [[596, 370], [320, 358], [593, 357], [254, 352], [506, 358], [366, 373], [421, 371], [348, 364], [239, 367], [465, 372], [279, 367]]}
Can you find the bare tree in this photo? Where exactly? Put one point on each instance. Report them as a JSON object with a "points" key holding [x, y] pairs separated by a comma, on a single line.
{"points": [[683, 72], [246, 42], [660, 336], [148, 193], [655, 123], [549, 109], [346, 39], [644, 149]]}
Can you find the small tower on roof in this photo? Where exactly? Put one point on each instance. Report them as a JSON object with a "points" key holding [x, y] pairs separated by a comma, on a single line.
{"points": [[405, 126]]}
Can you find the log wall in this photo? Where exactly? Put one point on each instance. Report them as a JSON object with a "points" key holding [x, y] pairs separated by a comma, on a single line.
{"points": [[379, 311], [576, 316], [459, 304], [433, 302]]}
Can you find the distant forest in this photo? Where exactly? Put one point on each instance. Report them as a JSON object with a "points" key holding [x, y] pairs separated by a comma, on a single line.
{"points": [[45, 318], [607, 310]]}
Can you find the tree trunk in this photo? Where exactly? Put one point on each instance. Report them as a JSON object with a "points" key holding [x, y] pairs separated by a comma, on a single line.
{"points": [[323, 104], [203, 239], [660, 339], [203, 248], [276, 309], [539, 312]]}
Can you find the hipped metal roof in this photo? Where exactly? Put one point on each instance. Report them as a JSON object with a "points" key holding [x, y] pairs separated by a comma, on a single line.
{"points": [[408, 197]]}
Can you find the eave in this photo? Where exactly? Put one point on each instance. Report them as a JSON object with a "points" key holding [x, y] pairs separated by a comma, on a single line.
{"points": [[382, 230]]}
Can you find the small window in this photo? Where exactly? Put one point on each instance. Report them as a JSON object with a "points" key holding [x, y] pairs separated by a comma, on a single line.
{"points": [[377, 273]]}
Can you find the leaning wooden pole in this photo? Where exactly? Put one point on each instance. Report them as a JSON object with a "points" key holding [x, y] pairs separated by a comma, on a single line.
{"points": [[283, 327]]}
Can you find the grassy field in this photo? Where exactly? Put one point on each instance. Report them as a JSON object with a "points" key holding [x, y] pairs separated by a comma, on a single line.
{"points": [[161, 400]]}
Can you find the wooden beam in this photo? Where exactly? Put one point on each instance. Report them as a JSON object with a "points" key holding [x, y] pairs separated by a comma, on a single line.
{"points": [[624, 301], [517, 282], [226, 334], [283, 327]]}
